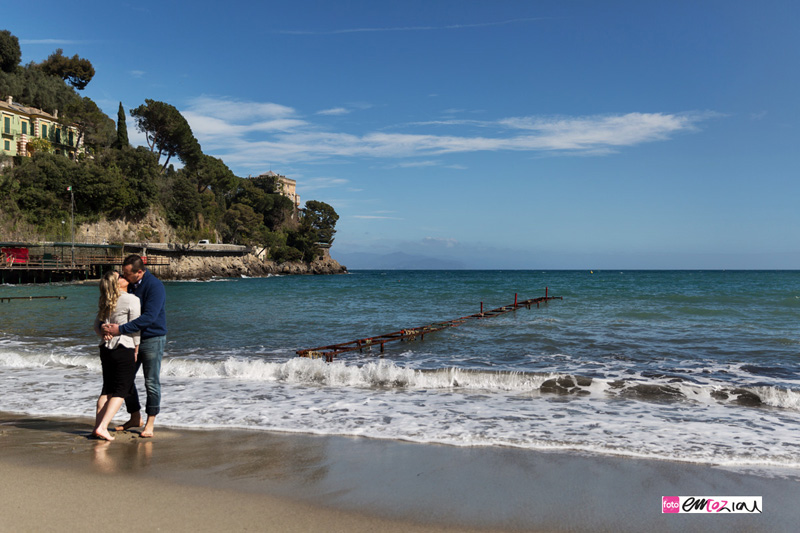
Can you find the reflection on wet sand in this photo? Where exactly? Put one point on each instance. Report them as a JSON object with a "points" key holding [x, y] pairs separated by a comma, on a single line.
{"points": [[460, 488], [253, 458], [133, 457]]}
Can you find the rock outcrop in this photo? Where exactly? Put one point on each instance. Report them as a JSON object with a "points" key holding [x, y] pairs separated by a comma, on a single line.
{"points": [[250, 265], [190, 262]]}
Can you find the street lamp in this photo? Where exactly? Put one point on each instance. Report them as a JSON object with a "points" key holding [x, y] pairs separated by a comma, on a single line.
{"points": [[72, 220]]}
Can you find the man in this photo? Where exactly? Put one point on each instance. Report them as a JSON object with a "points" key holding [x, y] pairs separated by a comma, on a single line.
{"points": [[153, 327]]}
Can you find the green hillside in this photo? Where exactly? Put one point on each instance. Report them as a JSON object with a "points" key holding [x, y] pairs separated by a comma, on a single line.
{"points": [[110, 179]]}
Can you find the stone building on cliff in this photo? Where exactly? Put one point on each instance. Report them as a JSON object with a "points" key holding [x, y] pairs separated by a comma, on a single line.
{"points": [[287, 187]]}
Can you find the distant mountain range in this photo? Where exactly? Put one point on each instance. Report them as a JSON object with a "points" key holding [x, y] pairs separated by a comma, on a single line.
{"points": [[395, 261]]}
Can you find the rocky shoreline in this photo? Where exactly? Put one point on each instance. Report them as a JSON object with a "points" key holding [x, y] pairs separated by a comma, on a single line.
{"points": [[185, 267], [192, 262]]}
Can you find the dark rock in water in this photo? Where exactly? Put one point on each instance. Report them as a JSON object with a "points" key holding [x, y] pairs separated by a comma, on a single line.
{"points": [[653, 392], [551, 386], [617, 384], [566, 382], [746, 397], [583, 382], [719, 395], [565, 385]]}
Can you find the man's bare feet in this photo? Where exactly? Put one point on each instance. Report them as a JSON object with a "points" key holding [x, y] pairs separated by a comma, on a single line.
{"points": [[134, 422], [102, 433], [147, 432]]}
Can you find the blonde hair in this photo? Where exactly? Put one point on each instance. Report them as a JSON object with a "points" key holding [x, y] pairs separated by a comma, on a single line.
{"points": [[109, 295]]}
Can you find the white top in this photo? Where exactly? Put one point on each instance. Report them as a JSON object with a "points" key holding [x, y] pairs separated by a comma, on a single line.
{"points": [[128, 308]]}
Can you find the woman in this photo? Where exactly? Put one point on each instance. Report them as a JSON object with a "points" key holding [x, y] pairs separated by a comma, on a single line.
{"points": [[117, 354]]}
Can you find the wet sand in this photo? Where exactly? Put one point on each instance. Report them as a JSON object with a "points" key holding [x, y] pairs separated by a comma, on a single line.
{"points": [[56, 478]]}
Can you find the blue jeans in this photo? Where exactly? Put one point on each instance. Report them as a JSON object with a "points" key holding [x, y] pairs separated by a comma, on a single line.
{"points": [[151, 350]]}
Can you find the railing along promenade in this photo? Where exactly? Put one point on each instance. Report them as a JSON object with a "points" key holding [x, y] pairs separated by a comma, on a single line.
{"points": [[37, 269], [61, 263]]}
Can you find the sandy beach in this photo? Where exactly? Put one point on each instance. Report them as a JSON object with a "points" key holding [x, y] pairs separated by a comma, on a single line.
{"points": [[55, 478]]}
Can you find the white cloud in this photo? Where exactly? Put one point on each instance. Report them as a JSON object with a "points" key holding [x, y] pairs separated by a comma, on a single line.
{"points": [[135, 137], [438, 242], [598, 131], [415, 164], [203, 125], [407, 28], [237, 110], [335, 111], [429, 163], [321, 183], [250, 136], [137, 73], [453, 122], [376, 217], [49, 41]]}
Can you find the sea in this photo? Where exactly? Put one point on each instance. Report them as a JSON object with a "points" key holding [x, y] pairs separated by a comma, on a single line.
{"points": [[692, 366]]}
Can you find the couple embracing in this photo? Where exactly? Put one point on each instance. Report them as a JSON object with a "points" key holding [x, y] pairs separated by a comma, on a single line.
{"points": [[132, 321]]}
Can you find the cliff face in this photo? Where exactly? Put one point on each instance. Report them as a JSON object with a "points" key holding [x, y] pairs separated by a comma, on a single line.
{"points": [[13, 228], [152, 228], [204, 267]]}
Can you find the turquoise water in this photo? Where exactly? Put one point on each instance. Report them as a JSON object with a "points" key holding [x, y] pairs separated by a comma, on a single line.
{"points": [[678, 365]]}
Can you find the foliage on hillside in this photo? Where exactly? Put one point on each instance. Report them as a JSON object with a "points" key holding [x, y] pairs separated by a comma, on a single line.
{"points": [[202, 200]]}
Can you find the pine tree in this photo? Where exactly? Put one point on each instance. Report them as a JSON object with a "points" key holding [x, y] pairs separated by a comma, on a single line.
{"points": [[10, 53], [122, 128]]}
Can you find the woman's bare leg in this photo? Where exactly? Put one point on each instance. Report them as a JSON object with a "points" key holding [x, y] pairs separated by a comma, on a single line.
{"points": [[109, 410], [101, 402]]}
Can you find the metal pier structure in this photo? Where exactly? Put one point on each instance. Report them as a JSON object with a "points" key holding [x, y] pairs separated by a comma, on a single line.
{"points": [[58, 262], [9, 298], [333, 350]]}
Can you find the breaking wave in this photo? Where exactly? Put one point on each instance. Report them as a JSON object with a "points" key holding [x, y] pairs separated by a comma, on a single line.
{"points": [[386, 374]]}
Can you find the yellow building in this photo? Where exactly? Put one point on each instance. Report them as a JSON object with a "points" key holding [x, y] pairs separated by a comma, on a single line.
{"points": [[20, 124], [287, 187]]}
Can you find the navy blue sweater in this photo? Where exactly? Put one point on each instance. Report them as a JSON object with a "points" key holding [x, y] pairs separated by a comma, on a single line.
{"points": [[153, 320]]}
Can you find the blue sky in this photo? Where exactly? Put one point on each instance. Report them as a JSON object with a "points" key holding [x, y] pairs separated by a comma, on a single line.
{"points": [[481, 134]]}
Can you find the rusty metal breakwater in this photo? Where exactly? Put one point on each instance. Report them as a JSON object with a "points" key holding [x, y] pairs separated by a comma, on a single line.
{"points": [[332, 350]]}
